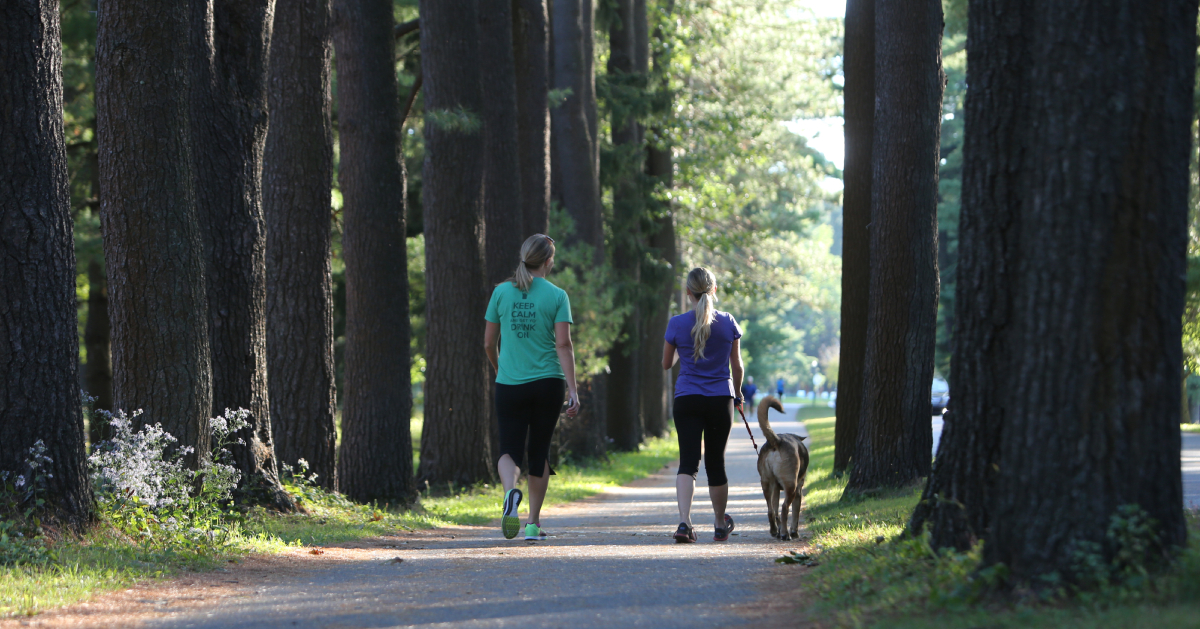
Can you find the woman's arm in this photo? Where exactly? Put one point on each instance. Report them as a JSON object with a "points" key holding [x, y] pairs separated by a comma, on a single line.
{"points": [[670, 356], [491, 334], [735, 365], [566, 358]]}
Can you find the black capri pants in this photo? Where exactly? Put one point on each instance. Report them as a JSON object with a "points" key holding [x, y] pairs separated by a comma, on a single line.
{"points": [[708, 418], [529, 410]]}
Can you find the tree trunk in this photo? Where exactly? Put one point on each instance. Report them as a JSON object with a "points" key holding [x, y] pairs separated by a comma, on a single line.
{"points": [[582, 437], [454, 443], [531, 40], [576, 167], [98, 374], [1072, 276], [502, 206], [376, 451], [656, 392], [229, 110], [297, 178], [625, 426], [894, 438], [39, 343], [153, 248], [859, 99]]}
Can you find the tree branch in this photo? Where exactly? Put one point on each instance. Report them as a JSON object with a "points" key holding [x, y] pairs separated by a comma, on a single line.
{"points": [[407, 27], [412, 97]]}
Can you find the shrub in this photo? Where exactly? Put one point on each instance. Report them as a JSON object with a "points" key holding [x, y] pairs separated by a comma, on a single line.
{"points": [[145, 490]]}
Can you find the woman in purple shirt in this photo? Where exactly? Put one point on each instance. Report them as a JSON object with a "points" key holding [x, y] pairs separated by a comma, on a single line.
{"points": [[705, 342]]}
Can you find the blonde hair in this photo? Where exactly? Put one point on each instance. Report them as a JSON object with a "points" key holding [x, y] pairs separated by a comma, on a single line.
{"points": [[702, 284], [537, 249]]}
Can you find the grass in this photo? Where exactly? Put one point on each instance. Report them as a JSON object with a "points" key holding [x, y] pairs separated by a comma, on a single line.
{"points": [[103, 560], [868, 577], [1189, 427]]}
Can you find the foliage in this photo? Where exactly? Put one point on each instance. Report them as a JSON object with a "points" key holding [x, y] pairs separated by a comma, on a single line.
{"points": [[751, 200], [869, 574], [22, 538], [145, 489], [594, 307]]}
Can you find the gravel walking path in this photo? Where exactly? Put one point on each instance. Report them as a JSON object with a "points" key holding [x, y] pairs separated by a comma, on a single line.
{"points": [[609, 563]]}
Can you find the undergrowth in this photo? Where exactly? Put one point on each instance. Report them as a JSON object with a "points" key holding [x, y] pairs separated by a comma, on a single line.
{"points": [[868, 574], [149, 528]]}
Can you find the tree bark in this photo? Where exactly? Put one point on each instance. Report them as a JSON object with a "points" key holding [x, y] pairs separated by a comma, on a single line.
{"points": [[454, 443], [231, 40], [39, 343], [576, 166], [894, 438], [531, 39], [153, 249], [1072, 270], [297, 179], [859, 98], [98, 372], [376, 450], [502, 206], [656, 392], [625, 426]]}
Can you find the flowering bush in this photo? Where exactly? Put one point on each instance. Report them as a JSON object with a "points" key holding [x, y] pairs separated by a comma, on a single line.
{"points": [[21, 538], [145, 489]]}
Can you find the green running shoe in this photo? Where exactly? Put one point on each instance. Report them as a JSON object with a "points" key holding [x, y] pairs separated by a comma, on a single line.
{"points": [[534, 533], [510, 522]]}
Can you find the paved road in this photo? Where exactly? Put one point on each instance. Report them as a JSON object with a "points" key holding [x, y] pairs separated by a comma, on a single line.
{"points": [[610, 563], [1190, 458]]}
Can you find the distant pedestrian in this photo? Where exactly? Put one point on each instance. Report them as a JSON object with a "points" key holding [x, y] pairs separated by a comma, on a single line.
{"points": [[779, 389], [705, 343], [536, 362], [748, 391]]}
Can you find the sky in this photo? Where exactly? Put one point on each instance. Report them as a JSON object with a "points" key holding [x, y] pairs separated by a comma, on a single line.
{"points": [[825, 134]]}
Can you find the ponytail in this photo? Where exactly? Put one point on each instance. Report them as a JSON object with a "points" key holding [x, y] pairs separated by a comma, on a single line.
{"points": [[702, 285], [536, 250]]}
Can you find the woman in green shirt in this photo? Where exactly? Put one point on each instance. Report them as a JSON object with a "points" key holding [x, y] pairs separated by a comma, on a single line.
{"points": [[532, 320]]}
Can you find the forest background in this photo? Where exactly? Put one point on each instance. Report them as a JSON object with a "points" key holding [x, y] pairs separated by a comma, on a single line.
{"points": [[751, 199]]}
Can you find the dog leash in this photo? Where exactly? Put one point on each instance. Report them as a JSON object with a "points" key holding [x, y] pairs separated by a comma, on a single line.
{"points": [[748, 429]]}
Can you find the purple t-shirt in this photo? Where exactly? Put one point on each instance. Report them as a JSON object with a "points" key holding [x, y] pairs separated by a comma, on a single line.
{"points": [[711, 375]]}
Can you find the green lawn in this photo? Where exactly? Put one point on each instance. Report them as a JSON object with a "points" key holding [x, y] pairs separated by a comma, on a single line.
{"points": [[104, 561], [1189, 427], [867, 576]]}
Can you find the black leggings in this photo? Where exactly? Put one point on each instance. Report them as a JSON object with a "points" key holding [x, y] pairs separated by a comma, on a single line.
{"points": [[529, 409], [707, 418]]}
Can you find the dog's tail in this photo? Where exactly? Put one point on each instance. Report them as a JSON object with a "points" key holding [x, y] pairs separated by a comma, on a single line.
{"points": [[766, 403]]}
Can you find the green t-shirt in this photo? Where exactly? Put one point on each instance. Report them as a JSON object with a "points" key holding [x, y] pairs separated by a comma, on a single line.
{"points": [[527, 330]]}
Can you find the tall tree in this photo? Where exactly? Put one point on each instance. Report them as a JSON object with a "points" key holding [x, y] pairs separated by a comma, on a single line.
{"points": [[454, 442], [1072, 265], [531, 49], [660, 277], [894, 437], [859, 113], [153, 249], [297, 180], [503, 209], [625, 426], [231, 40], [375, 461], [96, 338], [39, 344], [576, 170]]}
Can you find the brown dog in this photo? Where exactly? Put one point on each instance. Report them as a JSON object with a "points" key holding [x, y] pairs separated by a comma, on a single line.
{"points": [[782, 465]]}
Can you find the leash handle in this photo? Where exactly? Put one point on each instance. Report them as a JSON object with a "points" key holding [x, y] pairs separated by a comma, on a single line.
{"points": [[739, 408]]}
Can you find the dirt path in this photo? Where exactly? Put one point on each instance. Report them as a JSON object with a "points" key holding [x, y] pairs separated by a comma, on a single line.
{"points": [[609, 563]]}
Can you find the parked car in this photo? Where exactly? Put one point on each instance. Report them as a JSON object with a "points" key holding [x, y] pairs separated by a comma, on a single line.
{"points": [[939, 396]]}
